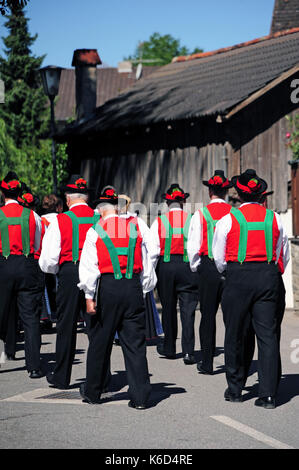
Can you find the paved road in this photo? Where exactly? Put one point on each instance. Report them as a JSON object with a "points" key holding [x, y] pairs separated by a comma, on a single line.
{"points": [[187, 410]]}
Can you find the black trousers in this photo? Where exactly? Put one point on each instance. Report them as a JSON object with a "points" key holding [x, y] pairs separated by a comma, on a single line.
{"points": [[251, 292], [12, 330], [19, 284], [120, 308], [177, 281], [211, 285], [249, 336], [69, 302]]}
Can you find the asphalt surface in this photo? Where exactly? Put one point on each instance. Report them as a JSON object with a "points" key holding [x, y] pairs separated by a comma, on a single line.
{"points": [[186, 410]]}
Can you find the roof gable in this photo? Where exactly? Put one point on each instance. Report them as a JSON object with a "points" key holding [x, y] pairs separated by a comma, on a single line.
{"points": [[191, 89]]}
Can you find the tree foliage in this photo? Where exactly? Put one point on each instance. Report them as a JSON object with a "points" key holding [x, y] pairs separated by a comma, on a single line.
{"points": [[25, 117], [160, 49], [32, 164], [5, 5], [24, 110], [293, 136]]}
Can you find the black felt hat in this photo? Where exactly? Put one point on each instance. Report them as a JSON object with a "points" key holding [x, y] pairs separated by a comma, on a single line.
{"points": [[108, 195], [11, 185], [175, 194], [76, 185], [218, 180], [249, 183]]}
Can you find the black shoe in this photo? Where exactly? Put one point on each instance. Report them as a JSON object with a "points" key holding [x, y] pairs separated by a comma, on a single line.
{"points": [[230, 397], [131, 404], [160, 350], [51, 381], [266, 402], [189, 359], [201, 370], [86, 399], [35, 374], [10, 357]]}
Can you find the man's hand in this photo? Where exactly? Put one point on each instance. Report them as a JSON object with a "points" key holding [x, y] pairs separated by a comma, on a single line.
{"points": [[90, 307]]}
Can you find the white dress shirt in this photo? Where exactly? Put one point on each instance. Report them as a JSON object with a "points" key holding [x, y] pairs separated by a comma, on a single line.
{"points": [[195, 238], [223, 227], [89, 270], [38, 225], [51, 246]]}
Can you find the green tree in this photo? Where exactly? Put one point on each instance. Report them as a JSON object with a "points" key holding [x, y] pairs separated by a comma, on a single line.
{"points": [[24, 110], [293, 136], [25, 146], [33, 164], [159, 50], [6, 4]]}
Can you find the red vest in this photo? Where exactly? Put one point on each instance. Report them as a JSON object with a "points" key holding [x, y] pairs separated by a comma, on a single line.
{"points": [[217, 211], [118, 229], [14, 231], [65, 227], [256, 245], [177, 219]]}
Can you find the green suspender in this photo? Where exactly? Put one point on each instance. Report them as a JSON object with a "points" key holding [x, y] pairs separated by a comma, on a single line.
{"points": [[266, 226], [23, 220], [76, 221], [169, 234], [211, 223], [115, 252]]}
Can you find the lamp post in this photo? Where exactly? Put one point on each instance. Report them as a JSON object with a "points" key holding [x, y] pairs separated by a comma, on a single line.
{"points": [[50, 77]]}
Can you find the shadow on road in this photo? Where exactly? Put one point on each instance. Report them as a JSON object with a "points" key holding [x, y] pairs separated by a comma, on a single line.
{"points": [[288, 389]]}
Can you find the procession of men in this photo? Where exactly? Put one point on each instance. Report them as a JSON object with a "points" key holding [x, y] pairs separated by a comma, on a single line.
{"points": [[104, 264]]}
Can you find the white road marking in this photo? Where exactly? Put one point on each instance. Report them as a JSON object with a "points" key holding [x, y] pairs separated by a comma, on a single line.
{"points": [[259, 436]]}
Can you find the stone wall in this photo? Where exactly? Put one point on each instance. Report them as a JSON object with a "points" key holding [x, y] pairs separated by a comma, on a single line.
{"points": [[295, 266]]}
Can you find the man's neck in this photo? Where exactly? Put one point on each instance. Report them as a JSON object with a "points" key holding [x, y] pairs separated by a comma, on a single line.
{"points": [[8, 199], [109, 212], [215, 197], [76, 201]]}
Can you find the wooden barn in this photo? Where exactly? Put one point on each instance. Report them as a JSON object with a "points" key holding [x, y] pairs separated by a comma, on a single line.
{"points": [[221, 109]]}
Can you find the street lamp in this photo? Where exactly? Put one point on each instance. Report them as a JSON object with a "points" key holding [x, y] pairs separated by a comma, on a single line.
{"points": [[50, 77]]}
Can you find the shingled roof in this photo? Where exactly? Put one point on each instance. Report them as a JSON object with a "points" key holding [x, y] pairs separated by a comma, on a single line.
{"points": [[110, 82], [285, 15], [210, 84]]}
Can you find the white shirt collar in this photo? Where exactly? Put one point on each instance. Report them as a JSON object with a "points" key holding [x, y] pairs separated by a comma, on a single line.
{"points": [[11, 201], [175, 209]]}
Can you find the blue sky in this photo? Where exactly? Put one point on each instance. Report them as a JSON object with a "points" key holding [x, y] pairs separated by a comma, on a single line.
{"points": [[114, 27]]}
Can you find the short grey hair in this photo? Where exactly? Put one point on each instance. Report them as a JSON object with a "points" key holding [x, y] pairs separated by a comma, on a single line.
{"points": [[77, 196], [106, 206]]}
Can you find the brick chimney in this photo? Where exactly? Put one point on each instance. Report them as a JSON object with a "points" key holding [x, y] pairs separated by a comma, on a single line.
{"points": [[285, 15], [85, 62]]}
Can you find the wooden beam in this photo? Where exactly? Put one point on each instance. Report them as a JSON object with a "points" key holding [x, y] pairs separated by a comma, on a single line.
{"points": [[261, 92], [295, 199]]}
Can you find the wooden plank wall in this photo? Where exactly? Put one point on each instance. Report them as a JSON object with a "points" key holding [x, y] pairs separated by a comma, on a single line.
{"points": [[145, 176]]}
